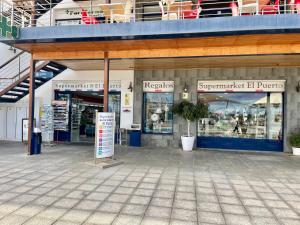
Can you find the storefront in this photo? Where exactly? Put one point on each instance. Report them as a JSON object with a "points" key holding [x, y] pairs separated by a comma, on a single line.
{"points": [[71, 115], [244, 114]]}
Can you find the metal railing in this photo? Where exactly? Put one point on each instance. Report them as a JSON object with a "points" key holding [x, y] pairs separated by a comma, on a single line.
{"points": [[56, 13], [14, 69]]}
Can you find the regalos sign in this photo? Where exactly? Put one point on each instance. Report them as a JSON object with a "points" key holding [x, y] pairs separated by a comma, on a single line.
{"points": [[241, 86], [158, 86]]}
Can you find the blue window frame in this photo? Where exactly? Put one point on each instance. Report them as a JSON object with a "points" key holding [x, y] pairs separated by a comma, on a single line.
{"points": [[250, 121]]}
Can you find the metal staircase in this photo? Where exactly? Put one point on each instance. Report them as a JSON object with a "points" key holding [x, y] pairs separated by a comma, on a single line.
{"points": [[14, 76]]}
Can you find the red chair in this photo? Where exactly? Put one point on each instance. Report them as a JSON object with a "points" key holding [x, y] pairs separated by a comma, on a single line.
{"points": [[234, 8], [294, 6], [192, 14], [86, 19], [271, 9]]}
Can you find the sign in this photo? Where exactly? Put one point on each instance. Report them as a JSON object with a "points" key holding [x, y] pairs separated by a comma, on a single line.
{"points": [[79, 85], [127, 101], [105, 134], [241, 86], [75, 12], [25, 125], [158, 86], [6, 30], [44, 74]]}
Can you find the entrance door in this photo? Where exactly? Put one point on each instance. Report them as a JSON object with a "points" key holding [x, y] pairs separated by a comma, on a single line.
{"points": [[84, 106], [244, 121]]}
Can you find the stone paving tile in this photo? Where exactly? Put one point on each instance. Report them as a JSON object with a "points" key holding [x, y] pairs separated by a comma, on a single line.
{"points": [[233, 209], [39, 220], [154, 221], [163, 194], [164, 202], [118, 198], [182, 222], [52, 213], [88, 205], [259, 211], [183, 214], [132, 209], [66, 203], [264, 221], [211, 217], [101, 218], [237, 219], [112, 207], [78, 216], [155, 211], [29, 210], [13, 219], [143, 200], [126, 220], [64, 222], [285, 213]]}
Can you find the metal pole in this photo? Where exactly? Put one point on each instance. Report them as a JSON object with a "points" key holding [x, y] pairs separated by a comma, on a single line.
{"points": [[106, 82], [31, 106], [19, 66], [33, 14]]}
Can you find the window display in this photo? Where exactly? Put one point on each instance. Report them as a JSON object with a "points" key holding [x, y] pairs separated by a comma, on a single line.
{"points": [[245, 115], [158, 116]]}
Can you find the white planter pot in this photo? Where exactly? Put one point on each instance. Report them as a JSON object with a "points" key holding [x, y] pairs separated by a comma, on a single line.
{"points": [[296, 151], [187, 143]]}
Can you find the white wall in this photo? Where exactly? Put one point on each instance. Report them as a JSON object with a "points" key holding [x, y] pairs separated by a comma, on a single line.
{"points": [[11, 115], [6, 54]]}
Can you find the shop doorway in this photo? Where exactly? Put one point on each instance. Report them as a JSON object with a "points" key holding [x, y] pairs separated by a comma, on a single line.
{"points": [[82, 107]]}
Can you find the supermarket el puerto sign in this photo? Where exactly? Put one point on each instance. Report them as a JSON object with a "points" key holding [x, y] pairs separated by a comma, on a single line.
{"points": [[241, 86]]}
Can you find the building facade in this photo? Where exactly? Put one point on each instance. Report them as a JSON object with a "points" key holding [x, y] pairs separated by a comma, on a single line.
{"points": [[141, 62]]}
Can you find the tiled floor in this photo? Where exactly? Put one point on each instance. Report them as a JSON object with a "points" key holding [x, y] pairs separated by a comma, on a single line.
{"points": [[152, 187]]}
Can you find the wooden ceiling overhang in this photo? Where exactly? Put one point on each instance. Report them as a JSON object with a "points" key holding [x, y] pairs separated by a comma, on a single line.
{"points": [[234, 45]]}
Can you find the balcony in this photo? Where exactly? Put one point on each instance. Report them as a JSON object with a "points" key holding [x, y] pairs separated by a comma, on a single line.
{"points": [[45, 13]]}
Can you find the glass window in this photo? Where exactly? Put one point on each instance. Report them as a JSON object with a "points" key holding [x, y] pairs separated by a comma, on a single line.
{"points": [[246, 115], [158, 116]]}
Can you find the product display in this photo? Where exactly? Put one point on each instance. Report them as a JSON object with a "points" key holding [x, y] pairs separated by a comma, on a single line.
{"points": [[246, 115], [47, 122], [60, 115], [158, 118]]}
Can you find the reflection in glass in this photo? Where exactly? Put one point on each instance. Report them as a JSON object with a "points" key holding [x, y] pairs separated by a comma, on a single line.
{"points": [[158, 116], [246, 115]]}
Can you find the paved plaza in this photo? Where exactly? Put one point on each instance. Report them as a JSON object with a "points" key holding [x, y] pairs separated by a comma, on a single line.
{"points": [[152, 187]]}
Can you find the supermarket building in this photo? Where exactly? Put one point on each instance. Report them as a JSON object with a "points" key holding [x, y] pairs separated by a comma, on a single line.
{"points": [[246, 68]]}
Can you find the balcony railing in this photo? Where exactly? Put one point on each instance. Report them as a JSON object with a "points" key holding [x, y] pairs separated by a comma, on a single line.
{"points": [[56, 13]]}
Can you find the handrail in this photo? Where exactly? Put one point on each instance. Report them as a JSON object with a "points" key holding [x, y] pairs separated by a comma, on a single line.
{"points": [[12, 59], [39, 67]]}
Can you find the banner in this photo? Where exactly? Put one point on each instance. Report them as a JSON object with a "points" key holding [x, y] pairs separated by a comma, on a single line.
{"points": [[105, 134], [241, 86]]}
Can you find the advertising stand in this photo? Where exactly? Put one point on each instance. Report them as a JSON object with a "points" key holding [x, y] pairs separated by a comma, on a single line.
{"points": [[104, 135]]}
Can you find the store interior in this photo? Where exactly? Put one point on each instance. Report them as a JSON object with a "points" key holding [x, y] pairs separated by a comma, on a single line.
{"points": [[81, 109]]}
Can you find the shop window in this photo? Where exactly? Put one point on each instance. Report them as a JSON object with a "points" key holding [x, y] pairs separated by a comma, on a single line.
{"points": [[244, 115], [158, 116]]}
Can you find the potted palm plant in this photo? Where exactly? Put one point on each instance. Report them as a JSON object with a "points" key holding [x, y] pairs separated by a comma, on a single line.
{"points": [[190, 112], [295, 142]]}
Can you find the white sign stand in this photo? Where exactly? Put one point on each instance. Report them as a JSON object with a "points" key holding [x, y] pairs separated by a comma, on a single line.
{"points": [[104, 135]]}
